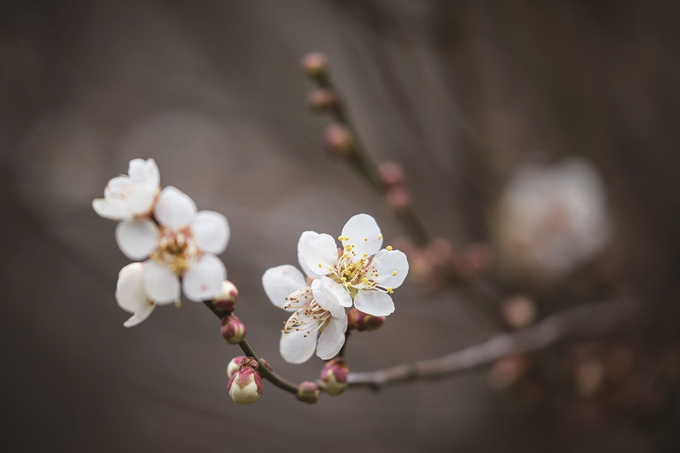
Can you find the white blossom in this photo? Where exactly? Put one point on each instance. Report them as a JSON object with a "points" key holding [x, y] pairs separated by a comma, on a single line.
{"points": [[130, 196], [182, 246]]}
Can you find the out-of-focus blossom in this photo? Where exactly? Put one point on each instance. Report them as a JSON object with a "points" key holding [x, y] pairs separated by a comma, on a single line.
{"points": [[552, 217], [130, 196], [131, 296], [182, 245]]}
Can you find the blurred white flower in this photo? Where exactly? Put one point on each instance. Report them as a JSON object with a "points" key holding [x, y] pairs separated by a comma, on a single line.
{"points": [[129, 196], [184, 244], [131, 296], [313, 325], [552, 217], [360, 272]]}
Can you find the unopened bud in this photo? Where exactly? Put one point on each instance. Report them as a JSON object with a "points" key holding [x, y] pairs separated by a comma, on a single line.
{"points": [[361, 321], [226, 300], [507, 372], [234, 365], [391, 173], [233, 330], [315, 64], [322, 100], [334, 376], [518, 311], [245, 386], [308, 392], [338, 141], [398, 198]]}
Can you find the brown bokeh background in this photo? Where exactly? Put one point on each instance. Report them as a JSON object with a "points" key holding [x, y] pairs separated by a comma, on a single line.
{"points": [[460, 92]]}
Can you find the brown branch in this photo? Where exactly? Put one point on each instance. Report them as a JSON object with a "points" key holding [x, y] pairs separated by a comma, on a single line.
{"points": [[583, 321]]}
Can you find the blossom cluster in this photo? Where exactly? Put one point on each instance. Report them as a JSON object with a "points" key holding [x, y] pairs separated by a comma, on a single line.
{"points": [[175, 245], [359, 273]]}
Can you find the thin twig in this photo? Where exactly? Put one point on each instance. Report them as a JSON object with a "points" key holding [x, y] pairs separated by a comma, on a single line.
{"points": [[587, 320]]}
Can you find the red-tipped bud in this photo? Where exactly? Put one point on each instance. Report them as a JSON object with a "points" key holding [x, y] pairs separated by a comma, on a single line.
{"points": [[234, 365], [338, 141], [308, 392], [518, 311], [245, 386], [398, 198], [361, 321], [226, 300], [233, 330], [334, 376], [315, 64], [391, 173], [322, 100]]}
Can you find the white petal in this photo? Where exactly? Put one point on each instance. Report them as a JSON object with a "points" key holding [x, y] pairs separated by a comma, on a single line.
{"points": [[118, 188], [391, 266], [203, 280], [374, 302], [281, 281], [144, 171], [141, 199], [318, 251], [160, 283], [331, 296], [174, 208], [111, 209], [332, 338], [210, 231], [137, 238], [301, 260], [297, 346], [363, 233], [140, 315], [130, 293]]}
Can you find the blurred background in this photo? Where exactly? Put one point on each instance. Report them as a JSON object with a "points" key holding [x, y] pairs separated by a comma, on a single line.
{"points": [[546, 131]]}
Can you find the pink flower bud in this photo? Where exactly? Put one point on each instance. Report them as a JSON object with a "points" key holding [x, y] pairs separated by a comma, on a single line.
{"points": [[308, 392], [315, 64], [518, 311], [226, 300], [398, 198], [391, 173], [338, 141], [233, 330], [245, 386], [322, 100], [234, 365], [361, 321], [334, 376]]}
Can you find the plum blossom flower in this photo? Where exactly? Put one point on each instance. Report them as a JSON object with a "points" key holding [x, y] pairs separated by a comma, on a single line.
{"points": [[131, 296], [313, 325], [182, 245], [130, 196], [360, 272]]}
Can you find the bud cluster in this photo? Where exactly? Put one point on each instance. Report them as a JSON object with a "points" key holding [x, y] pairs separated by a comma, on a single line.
{"points": [[245, 385]]}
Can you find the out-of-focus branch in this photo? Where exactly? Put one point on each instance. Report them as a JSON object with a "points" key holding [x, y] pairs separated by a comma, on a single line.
{"points": [[584, 321]]}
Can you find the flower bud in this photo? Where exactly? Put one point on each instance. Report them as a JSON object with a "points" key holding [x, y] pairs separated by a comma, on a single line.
{"points": [[233, 330], [518, 311], [398, 198], [334, 376], [361, 321], [322, 100], [391, 173], [226, 300], [338, 141], [234, 365], [315, 64], [308, 392], [245, 386]]}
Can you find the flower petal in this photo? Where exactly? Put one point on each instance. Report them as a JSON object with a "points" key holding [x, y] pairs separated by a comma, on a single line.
{"points": [[137, 238], [297, 346], [374, 302], [160, 283], [203, 280], [210, 230], [141, 199], [331, 296], [111, 209], [301, 260], [318, 251], [140, 315], [332, 338], [391, 267], [144, 171], [364, 235], [174, 208], [130, 293], [281, 281]]}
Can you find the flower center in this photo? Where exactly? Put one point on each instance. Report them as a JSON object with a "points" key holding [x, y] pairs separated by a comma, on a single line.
{"points": [[176, 249]]}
